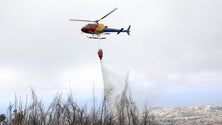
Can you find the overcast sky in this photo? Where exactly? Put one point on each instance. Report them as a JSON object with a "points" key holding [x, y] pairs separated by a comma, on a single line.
{"points": [[174, 53]]}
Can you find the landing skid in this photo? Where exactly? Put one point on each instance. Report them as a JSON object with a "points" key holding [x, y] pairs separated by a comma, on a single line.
{"points": [[91, 37]]}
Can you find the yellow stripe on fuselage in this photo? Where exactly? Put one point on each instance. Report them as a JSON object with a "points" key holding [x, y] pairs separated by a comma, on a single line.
{"points": [[100, 28]]}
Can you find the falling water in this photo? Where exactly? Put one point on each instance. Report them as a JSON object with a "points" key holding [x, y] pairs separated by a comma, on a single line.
{"points": [[115, 82]]}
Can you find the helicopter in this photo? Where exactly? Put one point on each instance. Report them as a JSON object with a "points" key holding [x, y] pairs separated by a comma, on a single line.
{"points": [[96, 29]]}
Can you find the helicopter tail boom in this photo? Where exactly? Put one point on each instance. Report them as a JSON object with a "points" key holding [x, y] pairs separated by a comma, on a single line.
{"points": [[118, 31]]}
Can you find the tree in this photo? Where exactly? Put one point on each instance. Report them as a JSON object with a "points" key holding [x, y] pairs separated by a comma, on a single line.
{"points": [[2, 117]]}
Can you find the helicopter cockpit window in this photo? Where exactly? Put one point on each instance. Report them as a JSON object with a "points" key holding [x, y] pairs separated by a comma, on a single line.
{"points": [[90, 25]]}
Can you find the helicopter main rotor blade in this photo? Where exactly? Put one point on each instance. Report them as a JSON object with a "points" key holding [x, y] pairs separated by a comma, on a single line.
{"points": [[81, 20], [106, 15]]}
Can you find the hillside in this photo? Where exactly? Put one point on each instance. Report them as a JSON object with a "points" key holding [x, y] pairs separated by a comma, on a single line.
{"points": [[193, 115]]}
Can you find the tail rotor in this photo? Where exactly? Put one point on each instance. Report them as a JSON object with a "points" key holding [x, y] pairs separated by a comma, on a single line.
{"points": [[128, 30]]}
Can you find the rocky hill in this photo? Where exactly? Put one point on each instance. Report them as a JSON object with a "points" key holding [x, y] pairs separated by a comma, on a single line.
{"points": [[193, 115]]}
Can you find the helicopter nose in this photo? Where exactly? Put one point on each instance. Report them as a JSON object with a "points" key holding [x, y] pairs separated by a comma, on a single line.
{"points": [[83, 29]]}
